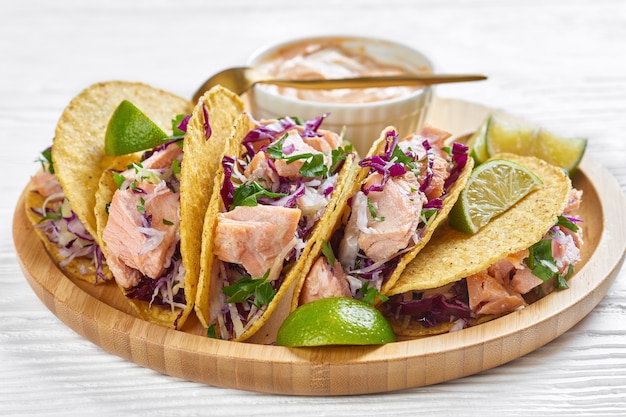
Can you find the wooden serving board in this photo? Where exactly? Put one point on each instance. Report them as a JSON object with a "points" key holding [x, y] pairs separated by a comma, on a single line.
{"points": [[100, 314]]}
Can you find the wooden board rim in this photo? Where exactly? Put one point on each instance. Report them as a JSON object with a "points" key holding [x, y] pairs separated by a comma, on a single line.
{"points": [[334, 370]]}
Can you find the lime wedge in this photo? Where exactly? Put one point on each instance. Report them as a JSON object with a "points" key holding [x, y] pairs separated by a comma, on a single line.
{"points": [[335, 321], [494, 187], [477, 143], [560, 151], [508, 137], [499, 136], [130, 130]]}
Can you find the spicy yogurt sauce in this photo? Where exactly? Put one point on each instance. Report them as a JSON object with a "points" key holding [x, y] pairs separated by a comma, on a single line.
{"points": [[328, 59]]}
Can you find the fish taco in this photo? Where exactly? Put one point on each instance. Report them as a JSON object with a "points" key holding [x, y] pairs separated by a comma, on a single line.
{"points": [[403, 190], [525, 253], [150, 212], [61, 198], [279, 186]]}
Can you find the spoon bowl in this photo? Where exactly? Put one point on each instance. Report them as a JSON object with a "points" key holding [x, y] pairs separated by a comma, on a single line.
{"points": [[241, 79]]}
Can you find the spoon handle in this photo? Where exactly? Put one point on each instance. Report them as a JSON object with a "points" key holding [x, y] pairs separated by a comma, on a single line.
{"points": [[382, 81]]}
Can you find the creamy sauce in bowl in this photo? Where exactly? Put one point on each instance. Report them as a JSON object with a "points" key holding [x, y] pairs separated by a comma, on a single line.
{"points": [[329, 59]]}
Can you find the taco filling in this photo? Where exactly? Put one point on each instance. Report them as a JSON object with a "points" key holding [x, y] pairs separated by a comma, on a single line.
{"points": [[142, 231], [51, 213], [391, 215], [273, 196]]}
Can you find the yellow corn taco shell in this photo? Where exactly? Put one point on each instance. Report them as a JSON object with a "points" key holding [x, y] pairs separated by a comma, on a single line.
{"points": [[452, 255], [200, 160], [270, 318]]}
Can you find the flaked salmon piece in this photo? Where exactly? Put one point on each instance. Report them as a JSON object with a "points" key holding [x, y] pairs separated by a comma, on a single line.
{"points": [[322, 281], [398, 207], [254, 236], [524, 280], [325, 141], [504, 267], [488, 296], [565, 248], [124, 275], [437, 181], [573, 201], [142, 230], [436, 137], [259, 170], [163, 159], [293, 145], [46, 184]]}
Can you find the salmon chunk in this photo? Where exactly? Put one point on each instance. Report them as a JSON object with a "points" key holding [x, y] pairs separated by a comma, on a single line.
{"points": [[398, 207], [293, 145], [255, 236], [325, 140], [46, 184], [488, 296], [259, 170], [323, 281], [142, 231]]}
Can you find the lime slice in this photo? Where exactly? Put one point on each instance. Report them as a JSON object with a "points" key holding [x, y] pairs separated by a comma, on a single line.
{"points": [[493, 188], [335, 321], [560, 151], [130, 130], [477, 143], [508, 137], [502, 136]]}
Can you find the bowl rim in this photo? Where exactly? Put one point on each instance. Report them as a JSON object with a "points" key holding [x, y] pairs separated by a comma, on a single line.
{"points": [[270, 47]]}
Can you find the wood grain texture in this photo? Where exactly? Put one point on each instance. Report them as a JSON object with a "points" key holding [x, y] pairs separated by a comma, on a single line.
{"points": [[559, 63], [99, 314]]}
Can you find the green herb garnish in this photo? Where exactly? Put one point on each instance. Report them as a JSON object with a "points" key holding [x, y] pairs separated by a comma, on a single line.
{"points": [[373, 212], [371, 294], [257, 291], [247, 195]]}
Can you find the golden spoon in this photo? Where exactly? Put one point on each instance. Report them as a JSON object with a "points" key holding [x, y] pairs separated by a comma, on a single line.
{"points": [[240, 79]]}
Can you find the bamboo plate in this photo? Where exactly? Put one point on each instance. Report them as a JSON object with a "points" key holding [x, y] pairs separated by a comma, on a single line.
{"points": [[101, 315]]}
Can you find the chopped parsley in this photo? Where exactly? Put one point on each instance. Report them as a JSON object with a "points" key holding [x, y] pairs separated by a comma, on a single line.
{"points": [[373, 212], [257, 291], [371, 294], [247, 195], [314, 165], [46, 162], [327, 251]]}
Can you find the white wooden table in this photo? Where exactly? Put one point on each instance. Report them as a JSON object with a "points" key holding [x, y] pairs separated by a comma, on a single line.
{"points": [[561, 63]]}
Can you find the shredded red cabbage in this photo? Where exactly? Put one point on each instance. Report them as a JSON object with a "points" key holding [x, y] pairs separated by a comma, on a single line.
{"points": [[160, 148], [429, 166], [436, 203], [311, 126], [430, 311], [382, 163], [459, 160], [147, 286], [182, 126], [207, 125], [228, 189], [267, 132]]}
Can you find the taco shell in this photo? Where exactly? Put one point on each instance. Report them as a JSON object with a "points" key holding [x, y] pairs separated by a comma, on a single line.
{"points": [[207, 303], [197, 174]]}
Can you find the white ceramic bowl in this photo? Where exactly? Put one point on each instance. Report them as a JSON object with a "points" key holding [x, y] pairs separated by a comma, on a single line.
{"points": [[363, 121]]}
